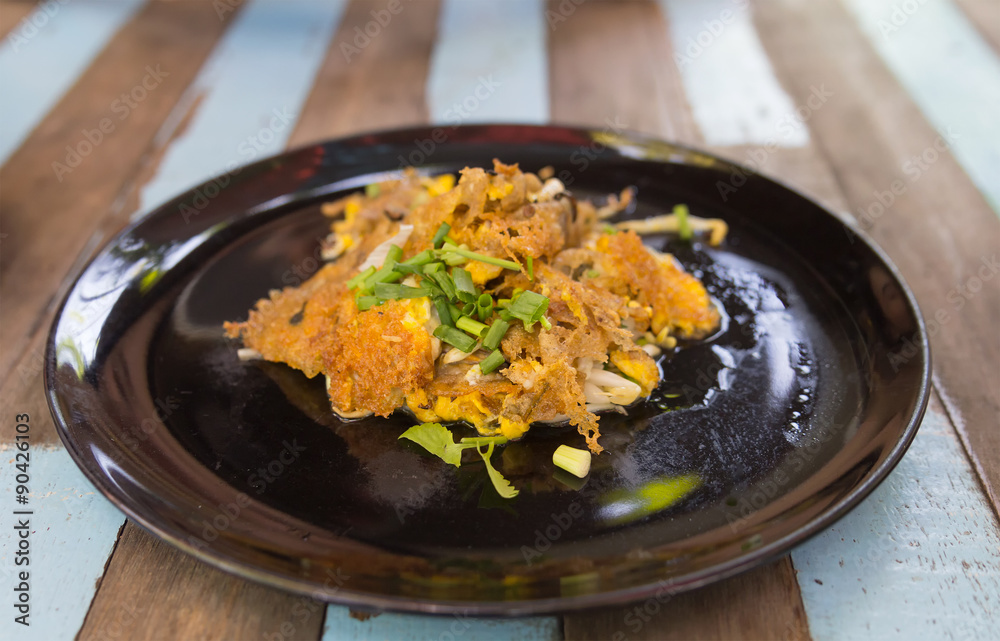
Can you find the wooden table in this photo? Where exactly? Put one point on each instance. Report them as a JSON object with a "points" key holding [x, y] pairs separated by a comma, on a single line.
{"points": [[886, 110]]}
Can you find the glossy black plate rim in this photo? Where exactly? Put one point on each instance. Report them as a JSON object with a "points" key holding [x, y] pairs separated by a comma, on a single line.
{"points": [[369, 601]]}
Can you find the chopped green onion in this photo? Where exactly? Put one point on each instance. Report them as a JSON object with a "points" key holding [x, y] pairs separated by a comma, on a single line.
{"points": [[465, 289], [431, 268], [529, 307], [387, 274], [403, 268], [545, 323], [574, 461], [445, 282], [422, 258], [593, 273], [440, 234], [491, 362], [531, 268], [455, 312], [391, 291], [455, 337], [441, 305], [506, 315], [393, 256], [360, 278], [683, 225], [508, 264], [469, 309], [495, 334], [484, 307], [448, 240], [452, 259], [367, 302], [373, 190], [474, 327], [503, 302]]}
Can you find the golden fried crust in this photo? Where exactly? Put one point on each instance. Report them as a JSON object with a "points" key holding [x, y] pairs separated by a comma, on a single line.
{"points": [[376, 357], [601, 296], [678, 299]]}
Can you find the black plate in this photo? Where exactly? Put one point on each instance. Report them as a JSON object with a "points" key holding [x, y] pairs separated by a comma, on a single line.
{"points": [[780, 423]]}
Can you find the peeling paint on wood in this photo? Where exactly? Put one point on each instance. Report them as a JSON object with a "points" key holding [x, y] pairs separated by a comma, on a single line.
{"points": [[918, 559]]}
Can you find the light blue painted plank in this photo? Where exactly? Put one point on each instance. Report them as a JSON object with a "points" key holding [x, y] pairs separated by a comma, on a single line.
{"points": [[950, 72], [340, 626], [72, 532], [918, 559], [490, 63], [730, 84], [251, 91], [44, 54]]}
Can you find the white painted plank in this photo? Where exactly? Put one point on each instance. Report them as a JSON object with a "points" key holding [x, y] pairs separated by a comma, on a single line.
{"points": [[950, 72], [73, 529], [248, 95], [918, 559], [45, 53], [730, 84], [340, 626], [490, 63]]}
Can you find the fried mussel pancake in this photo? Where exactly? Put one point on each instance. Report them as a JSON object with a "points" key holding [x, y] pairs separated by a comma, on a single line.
{"points": [[613, 303]]}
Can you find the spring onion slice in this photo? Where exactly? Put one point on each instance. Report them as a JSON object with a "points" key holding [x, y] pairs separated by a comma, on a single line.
{"points": [[574, 461], [531, 268], [391, 291], [445, 282], [484, 307], [495, 334], [444, 314], [422, 258], [529, 307], [469, 325], [360, 278], [367, 302], [683, 224], [393, 255], [471, 255], [440, 234], [455, 337], [465, 289], [491, 362], [431, 268]]}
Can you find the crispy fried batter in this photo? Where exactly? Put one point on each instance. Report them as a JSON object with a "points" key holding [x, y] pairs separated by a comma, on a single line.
{"points": [[605, 291]]}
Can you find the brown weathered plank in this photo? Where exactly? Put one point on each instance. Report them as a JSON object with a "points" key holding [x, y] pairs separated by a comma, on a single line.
{"points": [[158, 592], [612, 63], [378, 86], [985, 15], [48, 221], [761, 604], [343, 100], [593, 80], [939, 230], [11, 14]]}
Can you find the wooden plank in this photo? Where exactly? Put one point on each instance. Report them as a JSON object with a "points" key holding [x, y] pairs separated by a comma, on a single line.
{"points": [[494, 74], [729, 81], [344, 100], [938, 229], [985, 15], [11, 14], [341, 625], [43, 59], [761, 604], [950, 73], [928, 526], [47, 220], [225, 108], [158, 592], [72, 531], [764, 603], [239, 118], [641, 37]]}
